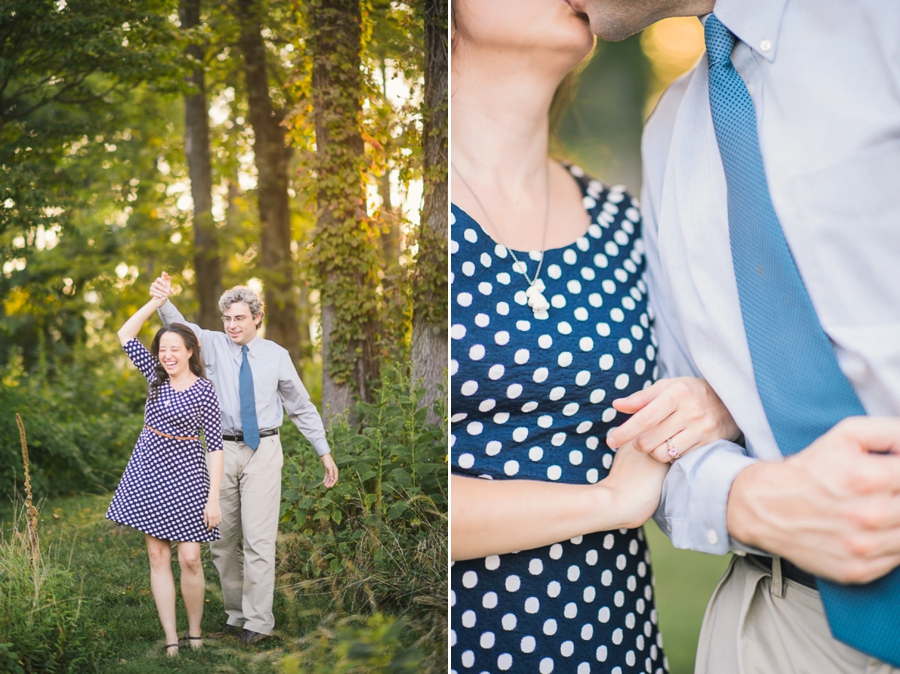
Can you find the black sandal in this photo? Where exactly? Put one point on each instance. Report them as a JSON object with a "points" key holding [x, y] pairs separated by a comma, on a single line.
{"points": [[168, 646], [188, 638]]}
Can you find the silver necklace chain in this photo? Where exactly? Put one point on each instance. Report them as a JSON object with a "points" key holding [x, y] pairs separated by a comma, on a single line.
{"points": [[519, 265]]}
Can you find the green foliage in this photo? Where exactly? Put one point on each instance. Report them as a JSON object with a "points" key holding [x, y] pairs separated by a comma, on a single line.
{"points": [[355, 646], [42, 628], [379, 534], [81, 428]]}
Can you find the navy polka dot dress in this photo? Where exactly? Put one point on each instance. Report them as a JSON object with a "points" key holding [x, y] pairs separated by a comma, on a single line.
{"points": [[165, 485], [531, 399]]}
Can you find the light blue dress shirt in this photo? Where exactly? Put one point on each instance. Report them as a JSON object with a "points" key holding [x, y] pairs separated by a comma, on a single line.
{"points": [[824, 76], [276, 384]]}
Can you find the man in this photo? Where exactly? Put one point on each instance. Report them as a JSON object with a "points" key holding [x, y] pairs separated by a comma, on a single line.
{"points": [[802, 140], [254, 379]]}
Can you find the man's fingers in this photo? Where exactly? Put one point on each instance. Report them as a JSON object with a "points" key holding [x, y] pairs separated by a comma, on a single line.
{"points": [[870, 434]]}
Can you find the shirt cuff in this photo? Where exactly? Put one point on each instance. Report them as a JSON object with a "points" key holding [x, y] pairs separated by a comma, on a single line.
{"points": [[322, 447], [695, 496]]}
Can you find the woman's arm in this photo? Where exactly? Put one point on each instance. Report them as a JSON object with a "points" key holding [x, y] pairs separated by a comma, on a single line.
{"points": [[492, 517], [212, 515], [134, 324]]}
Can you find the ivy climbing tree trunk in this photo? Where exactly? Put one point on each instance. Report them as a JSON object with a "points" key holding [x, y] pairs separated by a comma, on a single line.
{"points": [[271, 155], [345, 246], [208, 270], [429, 339]]}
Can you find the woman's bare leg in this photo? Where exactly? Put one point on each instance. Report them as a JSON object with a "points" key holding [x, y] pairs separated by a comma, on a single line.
{"points": [[192, 587], [162, 583]]}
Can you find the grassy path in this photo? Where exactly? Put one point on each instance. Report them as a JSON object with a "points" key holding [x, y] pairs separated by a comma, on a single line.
{"points": [[111, 564]]}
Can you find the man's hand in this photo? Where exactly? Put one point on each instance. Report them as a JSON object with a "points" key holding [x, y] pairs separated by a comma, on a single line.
{"points": [[331, 470], [161, 288], [833, 509]]}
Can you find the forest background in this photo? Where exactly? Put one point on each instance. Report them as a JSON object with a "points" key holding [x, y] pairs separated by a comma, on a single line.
{"points": [[601, 131], [299, 147]]}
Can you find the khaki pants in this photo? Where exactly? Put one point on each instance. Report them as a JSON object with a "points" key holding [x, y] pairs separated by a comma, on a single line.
{"points": [[245, 556], [760, 623]]}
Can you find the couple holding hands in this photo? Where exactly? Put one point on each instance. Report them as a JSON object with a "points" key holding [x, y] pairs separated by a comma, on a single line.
{"points": [[748, 319], [232, 388]]}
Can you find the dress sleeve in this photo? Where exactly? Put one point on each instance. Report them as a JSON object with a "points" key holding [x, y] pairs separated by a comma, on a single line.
{"points": [[211, 419], [142, 359]]}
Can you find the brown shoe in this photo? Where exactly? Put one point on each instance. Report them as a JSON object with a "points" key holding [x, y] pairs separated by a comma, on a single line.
{"points": [[226, 631], [249, 637]]}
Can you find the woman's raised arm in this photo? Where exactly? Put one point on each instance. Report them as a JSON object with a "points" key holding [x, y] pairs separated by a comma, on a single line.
{"points": [[133, 325]]}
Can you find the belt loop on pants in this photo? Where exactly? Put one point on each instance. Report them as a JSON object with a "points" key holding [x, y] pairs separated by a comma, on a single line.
{"points": [[777, 578]]}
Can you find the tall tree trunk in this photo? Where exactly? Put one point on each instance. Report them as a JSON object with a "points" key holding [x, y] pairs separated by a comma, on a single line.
{"points": [[196, 146], [429, 339], [345, 245], [271, 155]]}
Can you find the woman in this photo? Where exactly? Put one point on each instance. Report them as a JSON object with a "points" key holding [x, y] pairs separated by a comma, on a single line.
{"points": [[549, 326], [166, 490]]}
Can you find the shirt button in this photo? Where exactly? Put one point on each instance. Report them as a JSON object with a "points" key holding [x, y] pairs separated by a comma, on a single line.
{"points": [[669, 528], [712, 537], [766, 45]]}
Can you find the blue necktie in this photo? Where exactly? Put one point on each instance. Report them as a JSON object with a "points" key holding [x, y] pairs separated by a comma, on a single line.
{"points": [[802, 388], [249, 424]]}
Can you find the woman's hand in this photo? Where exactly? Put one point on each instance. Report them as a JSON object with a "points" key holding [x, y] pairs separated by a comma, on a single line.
{"points": [[212, 516], [161, 288], [672, 417], [636, 481]]}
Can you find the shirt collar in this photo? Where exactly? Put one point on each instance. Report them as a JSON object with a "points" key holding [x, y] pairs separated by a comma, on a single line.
{"points": [[251, 345], [756, 24]]}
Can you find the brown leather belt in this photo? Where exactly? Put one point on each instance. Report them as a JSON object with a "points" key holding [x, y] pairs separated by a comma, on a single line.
{"points": [[172, 437], [239, 436], [788, 570]]}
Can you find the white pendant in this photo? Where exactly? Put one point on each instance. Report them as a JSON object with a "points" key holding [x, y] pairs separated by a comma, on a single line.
{"points": [[535, 295]]}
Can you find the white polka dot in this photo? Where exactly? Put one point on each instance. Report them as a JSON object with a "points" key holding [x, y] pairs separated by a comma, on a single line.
{"points": [[608, 414], [520, 267], [501, 417], [607, 460], [470, 235], [454, 367], [570, 409], [535, 567], [621, 562], [493, 448], [558, 439], [601, 654], [603, 329], [582, 378], [509, 622], [587, 631], [601, 261], [514, 391], [553, 589], [593, 476], [570, 610], [521, 356], [487, 405], [545, 421], [502, 337], [584, 427], [504, 662], [540, 375], [545, 341], [619, 598], [581, 314], [606, 361], [558, 301], [554, 271], [617, 636], [502, 308], [489, 600], [520, 434], [609, 541], [503, 278], [464, 299], [482, 320], [603, 615], [529, 407], [586, 344], [611, 248], [513, 583], [569, 256], [468, 268], [573, 573], [625, 345], [458, 331], [536, 453], [487, 640], [575, 457], [640, 366], [617, 315], [564, 359], [606, 578], [492, 562], [468, 619], [595, 300], [511, 467], [452, 638], [609, 287], [523, 326], [532, 605], [466, 461], [556, 551], [631, 584], [622, 381], [592, 442], [496, 371], [475, 428], [566, 649], [574, 286], [500, 251], [597, 395], [476, 352], [628, 303], [621, 238], [520, 298], [485, 288], [527, 644], [545, 666], [554, 473], [549, 627]]}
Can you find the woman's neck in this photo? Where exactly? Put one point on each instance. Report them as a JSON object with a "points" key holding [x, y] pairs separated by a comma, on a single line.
{"points": [[182, 380], [500, 117]]}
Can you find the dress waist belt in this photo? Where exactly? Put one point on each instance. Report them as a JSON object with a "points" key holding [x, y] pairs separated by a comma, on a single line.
{"points": [[172, 437]]}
